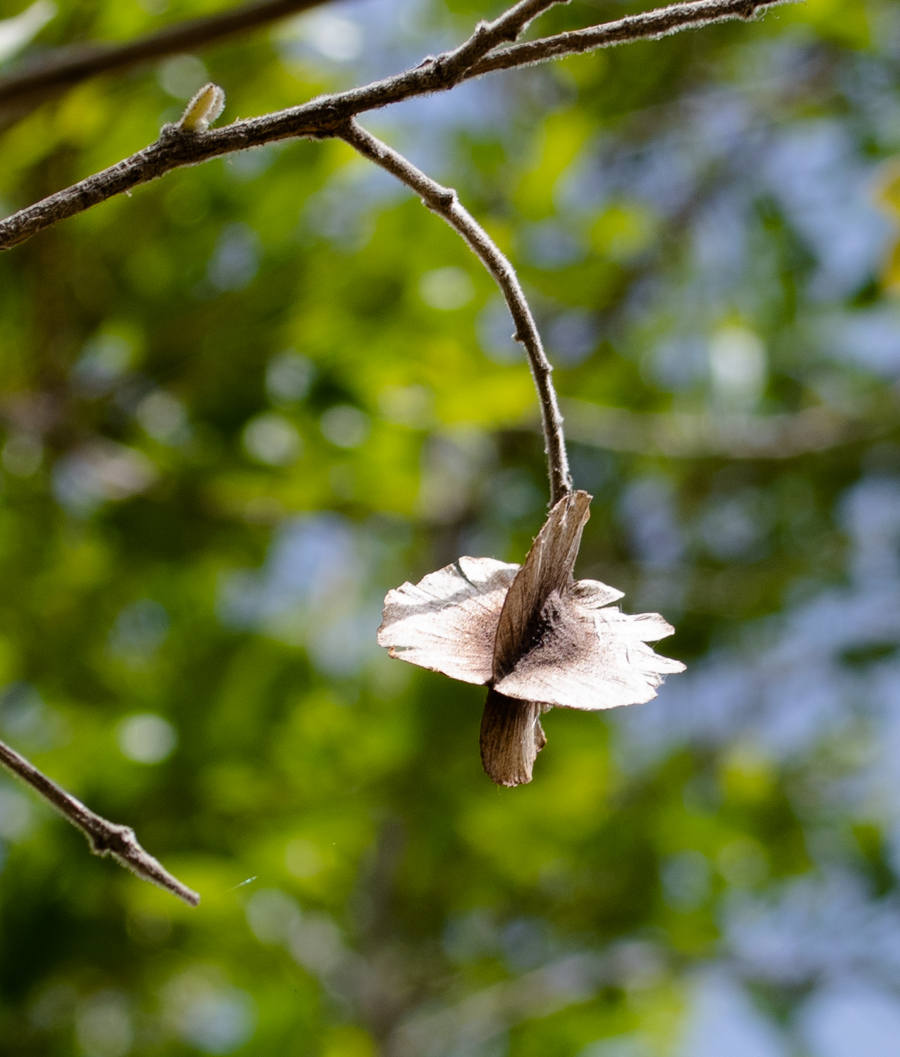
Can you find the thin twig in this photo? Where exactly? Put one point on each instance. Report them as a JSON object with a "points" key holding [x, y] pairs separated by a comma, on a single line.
{"points": [[324, 115], [104, 837], [63, 68], [444, 202], [177, 147], [648, 26], [489, 35]]}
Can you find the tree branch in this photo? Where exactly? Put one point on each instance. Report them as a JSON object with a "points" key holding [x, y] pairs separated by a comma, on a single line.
{"points": [[444, 202], [104, 837], [325, 115], [63, 68], [648, 26]]}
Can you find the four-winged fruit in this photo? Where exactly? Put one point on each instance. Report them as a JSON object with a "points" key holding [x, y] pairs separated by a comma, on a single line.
{"points": [[532, 634]]}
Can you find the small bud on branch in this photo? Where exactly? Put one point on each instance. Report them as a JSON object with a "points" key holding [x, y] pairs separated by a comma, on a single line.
{"points": [[203, 109]]}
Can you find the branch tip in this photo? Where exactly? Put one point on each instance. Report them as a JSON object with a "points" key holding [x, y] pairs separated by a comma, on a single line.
{"points": [[103, 837]]}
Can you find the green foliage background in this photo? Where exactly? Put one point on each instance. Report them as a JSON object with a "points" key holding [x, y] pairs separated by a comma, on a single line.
{"points": [[242, 403]]}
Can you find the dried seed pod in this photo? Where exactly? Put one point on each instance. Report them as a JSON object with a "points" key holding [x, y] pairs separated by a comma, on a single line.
{"points": [[536, 636]]}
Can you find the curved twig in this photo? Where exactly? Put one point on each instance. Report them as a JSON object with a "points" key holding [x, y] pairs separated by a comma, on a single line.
{"points": [[444, 202], [324, 116], [104, 837]]}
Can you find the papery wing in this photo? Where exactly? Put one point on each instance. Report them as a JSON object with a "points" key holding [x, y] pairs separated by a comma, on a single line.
{"points": [[592, 594], [591, 659], [448, 620], [547, 568], [511, 738]]}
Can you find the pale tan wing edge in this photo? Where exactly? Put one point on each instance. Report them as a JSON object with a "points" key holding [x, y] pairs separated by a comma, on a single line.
{"points": [[511, 738], [448, 620], [592, 660], [592, 594]]}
